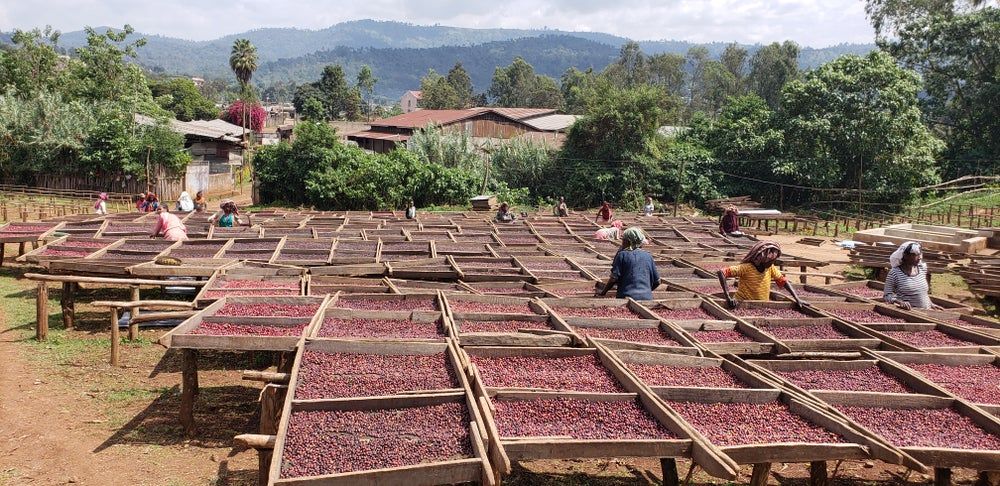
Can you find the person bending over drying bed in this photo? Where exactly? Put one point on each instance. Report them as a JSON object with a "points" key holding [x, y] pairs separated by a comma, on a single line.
{"points": [[633, 270], [755, 275]]}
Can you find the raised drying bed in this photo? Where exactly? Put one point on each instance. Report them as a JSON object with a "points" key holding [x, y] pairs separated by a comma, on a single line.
{"points": [[248, 324], [972, 377], [342, 370], [708, 325], [418, 440]]}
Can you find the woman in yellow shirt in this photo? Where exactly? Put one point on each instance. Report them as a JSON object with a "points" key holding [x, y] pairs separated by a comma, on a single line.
{"points": [[755, 275]]}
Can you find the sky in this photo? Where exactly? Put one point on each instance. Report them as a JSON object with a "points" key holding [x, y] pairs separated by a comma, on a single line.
{"points": [[812, 23]]}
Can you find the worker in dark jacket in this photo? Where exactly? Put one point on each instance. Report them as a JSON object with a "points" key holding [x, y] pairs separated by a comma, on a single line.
{"points": [[633, 270]]}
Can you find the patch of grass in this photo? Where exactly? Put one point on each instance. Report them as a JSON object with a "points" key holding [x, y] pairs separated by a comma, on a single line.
{"points": [[64, 349], [855, 272], [135, 394]]}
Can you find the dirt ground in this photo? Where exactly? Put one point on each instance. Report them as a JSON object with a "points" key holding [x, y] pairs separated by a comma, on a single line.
{"points": [[67, 417]]}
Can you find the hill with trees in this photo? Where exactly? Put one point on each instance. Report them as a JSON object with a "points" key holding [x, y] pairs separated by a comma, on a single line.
{"points": [[299, 55]]}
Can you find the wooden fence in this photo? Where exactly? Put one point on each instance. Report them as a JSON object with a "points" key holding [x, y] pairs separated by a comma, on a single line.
{"points": [[165, 184]]}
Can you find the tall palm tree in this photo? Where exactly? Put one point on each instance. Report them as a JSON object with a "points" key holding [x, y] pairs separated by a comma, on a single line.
{"points": [[243, 61]]}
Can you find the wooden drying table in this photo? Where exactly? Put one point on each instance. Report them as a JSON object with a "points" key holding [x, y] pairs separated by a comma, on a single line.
{"points": [[70, 283]]}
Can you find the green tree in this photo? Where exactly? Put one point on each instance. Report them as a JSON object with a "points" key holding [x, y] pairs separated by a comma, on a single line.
{"points": [[610, 152], [771, 68], [517, 85], [695, 60], [32, 65], [106, 71], [667, 70], [340, 101], [436, 93], [631, 68], [366, 87], [181, 97], [577, 88], [858, 119], [734, 58], [957, 52], [460, 81]]}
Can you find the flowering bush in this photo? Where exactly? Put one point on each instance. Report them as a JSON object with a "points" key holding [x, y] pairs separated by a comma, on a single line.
{"points": [[234, 114]]}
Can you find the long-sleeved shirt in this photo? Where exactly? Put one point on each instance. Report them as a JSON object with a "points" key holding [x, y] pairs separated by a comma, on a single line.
{"points": [[636, 274], [909, 288], [171, 226]]}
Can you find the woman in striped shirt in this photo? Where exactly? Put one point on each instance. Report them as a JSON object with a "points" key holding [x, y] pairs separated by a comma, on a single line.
{"points": [[908, 283]]}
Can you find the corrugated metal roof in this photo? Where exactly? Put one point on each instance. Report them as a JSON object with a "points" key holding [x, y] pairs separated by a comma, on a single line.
{"points": [[422, 118], [193, 129], [551, 123], [221, 125], [392, 137], [522, 114]]}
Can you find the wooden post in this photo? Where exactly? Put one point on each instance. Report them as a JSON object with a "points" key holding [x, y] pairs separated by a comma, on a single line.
{"points": [[3, 252], [42, 312], [115, 337], [942, 475], [272, 399], [802, 278], [133, 327], [189, 389], [988, 478], [264, 465], [68, 304], [668, 466], [20, 248], [817, 473], [760, 474]]}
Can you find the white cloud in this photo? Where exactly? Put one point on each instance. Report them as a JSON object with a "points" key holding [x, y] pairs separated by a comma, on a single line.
{"points": [[808, 22]]}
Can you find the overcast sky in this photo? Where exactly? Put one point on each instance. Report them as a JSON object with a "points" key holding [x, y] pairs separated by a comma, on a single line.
{"points": [[809, 22]]}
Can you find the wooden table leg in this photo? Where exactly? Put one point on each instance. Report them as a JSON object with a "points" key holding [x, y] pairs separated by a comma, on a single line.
{"points": [[264, 465], [760, 474], [817, 473], [272, 400], [189, 389], [115, 337], [668, 466], [20, 249], [133, 327], [942, 476], [68, 304], [3, 252], [42, 312], [988, 478]]}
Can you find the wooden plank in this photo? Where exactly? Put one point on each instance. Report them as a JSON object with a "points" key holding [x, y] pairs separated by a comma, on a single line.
{"points": [[581, 449]]}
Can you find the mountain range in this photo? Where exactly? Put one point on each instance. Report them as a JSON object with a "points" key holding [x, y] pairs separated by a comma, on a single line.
{"points": [[400, 53]]}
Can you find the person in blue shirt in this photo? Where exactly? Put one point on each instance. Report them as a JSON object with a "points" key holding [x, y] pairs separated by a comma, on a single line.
{"points": [[633, 270]]}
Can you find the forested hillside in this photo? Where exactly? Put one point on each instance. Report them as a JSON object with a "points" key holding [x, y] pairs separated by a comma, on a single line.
{"points": [[400, 53]]}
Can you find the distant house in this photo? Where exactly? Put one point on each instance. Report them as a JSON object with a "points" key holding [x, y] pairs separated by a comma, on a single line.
{"points": [[410, 101], [199, 82], [481, 124], [215, 147]]}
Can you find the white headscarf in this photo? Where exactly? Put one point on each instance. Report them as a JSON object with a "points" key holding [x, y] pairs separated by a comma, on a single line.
{"points": [[896, 259], [185, 202]]}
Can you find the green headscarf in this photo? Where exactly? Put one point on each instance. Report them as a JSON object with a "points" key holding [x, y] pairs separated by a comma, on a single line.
{"points": [[633, 238]]}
